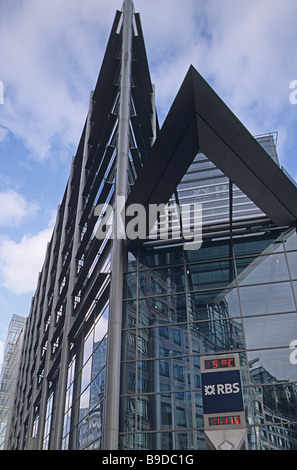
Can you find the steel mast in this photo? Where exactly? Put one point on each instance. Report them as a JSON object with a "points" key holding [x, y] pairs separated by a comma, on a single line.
{"points": [[112, 398]]}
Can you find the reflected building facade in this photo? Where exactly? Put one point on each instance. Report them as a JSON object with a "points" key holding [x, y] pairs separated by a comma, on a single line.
{"points": [[9, 371], [119, 349], [244, 304]]}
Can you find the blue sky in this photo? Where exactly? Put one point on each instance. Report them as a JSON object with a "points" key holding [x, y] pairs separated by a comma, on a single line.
{"points": [[50, 56]]}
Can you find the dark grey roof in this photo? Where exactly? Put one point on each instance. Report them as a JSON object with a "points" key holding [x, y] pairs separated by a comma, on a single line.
{"points": [[199, 121]]}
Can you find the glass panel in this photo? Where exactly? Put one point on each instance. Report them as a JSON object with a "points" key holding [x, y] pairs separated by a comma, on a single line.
{"points": [[131, 262], [277, 437], [295, 290], [128, 345], [198, 410], [270, 330], [200, 440], [126, 442], [128, 378], [161, 281], [215, 336], [130, 285], [88, 346], [211, 305], [101, 327], [210, 275], [255, 245], [272, 365], [164, 309], [84, 403], [166, 441], [129, 314], [95, 430], [172, 338], [265, 299], [86, 375], [166, 374], [262, 269], [97, 387], [210, 251], [157, 257], [164, 412], [127, 414], [291, 241], [275, 404], [292, 260]]}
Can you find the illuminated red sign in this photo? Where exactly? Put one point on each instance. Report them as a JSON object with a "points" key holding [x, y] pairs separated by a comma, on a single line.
{"points": [[223, 420], [227, 363]]}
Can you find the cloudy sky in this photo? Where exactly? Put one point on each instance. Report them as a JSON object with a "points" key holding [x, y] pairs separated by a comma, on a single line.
{"points": [[50, 57]]}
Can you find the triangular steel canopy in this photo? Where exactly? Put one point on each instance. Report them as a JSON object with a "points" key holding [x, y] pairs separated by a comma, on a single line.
{"points": [[199, 121]]}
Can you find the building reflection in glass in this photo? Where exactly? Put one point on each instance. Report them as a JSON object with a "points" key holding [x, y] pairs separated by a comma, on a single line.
{"points": [[175, 313]]}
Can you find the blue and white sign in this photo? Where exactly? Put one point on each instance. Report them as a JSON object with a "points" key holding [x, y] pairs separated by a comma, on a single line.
{"points": [[221, 392]]}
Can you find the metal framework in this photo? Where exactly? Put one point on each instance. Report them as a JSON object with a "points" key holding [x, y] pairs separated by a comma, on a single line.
{"points": [[76, 281]]}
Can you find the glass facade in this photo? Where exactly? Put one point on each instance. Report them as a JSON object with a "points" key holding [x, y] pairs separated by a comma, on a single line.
{"points": [[84, 407], [232, 295], [8, 374]]}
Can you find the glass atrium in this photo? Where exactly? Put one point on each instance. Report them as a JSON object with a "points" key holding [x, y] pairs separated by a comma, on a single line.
{"points": [[232, 295]]}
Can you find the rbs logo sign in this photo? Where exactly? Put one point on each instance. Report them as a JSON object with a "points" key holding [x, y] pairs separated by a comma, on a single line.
{"points": [[222, 392], [221, 389]]}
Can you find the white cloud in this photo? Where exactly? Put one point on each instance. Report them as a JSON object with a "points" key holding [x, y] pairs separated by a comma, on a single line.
{"points": [[3, 133], [54, 51], [21, 262], [14, 209], [245, 50], [48, 66]]}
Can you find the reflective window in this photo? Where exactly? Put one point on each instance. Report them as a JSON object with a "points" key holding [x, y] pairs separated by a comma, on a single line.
{"points": [[272, 268], [292, 261], [213, 304], [270, 330], [170, 374], [277, 437], [130, 285], [291, 241], [272, 365], [216, 336], [129, 314], [276, 404], [257, 244], [267, 298], [161, 281], [210, 275], [209, 251], [224, 297], [164, 309], [157, 257], [153, 340]]}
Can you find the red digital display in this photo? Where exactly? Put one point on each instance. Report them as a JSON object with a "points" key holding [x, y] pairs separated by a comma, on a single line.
{"points": [[227, 363], [223, 420]]}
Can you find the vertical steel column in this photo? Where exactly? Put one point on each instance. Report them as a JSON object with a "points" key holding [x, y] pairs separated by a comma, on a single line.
{"points": [[112, 395], [44, 397], [57, 437]]}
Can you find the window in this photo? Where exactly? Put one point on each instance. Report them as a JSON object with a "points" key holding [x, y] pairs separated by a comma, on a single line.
{"points": [[164, 368], [166, 413], [178, 373], [180, 417]]}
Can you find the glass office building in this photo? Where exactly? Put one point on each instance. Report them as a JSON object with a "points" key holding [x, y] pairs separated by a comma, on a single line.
{"points": [[9, 372], [112, 346]]}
